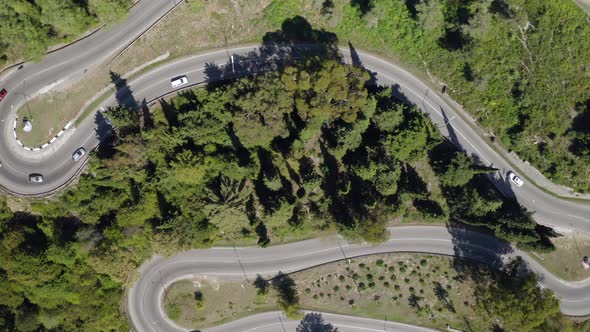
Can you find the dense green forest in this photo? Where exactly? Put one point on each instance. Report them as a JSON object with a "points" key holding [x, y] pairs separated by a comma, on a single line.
{"points": [[28, 27], [310, 147], [520, 67]]}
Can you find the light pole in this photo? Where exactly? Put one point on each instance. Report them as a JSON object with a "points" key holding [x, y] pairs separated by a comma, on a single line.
{"points": [[164, 288], [241, 266]]}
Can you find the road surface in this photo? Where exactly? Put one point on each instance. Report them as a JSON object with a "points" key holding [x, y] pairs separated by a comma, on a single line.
{"points": [[145, 298], [55, 163], [58, 168]]}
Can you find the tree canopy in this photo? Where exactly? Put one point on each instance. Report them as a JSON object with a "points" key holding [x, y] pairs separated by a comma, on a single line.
{"points": [[29, 27]]}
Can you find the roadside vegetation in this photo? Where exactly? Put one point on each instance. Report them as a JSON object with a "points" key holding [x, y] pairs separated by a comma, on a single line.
{"points": [[527, 90], [431, 291], [518, 67], [29, 27], [310, 147]]}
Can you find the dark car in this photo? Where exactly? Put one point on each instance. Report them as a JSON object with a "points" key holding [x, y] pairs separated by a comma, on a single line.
{"points": [[3, 94]]}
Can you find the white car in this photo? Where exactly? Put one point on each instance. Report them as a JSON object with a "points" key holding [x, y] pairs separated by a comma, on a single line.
{"points": [[78, 154], [36, 178], [515, 179], [178, 81]]}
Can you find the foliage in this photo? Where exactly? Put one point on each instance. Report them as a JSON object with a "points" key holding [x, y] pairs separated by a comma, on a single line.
{"points": [[517, 300], [308, 147], [47, 281], [287, 294], [29, 27]]}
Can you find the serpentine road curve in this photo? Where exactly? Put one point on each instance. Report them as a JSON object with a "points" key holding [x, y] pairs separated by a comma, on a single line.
{"points": [[56, 164], [145, 298]]}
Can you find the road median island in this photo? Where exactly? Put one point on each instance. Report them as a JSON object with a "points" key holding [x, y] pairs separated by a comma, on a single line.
{"points": [[415, 289]]}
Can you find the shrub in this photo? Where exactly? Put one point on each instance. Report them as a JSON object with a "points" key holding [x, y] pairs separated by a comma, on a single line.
{"points": [[379, 262], [386, 284], [391, 269], [336, 288], [423, 262]]}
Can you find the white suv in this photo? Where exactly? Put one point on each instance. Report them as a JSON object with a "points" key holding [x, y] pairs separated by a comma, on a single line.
{"points": [[178, 81], [515, 179]]}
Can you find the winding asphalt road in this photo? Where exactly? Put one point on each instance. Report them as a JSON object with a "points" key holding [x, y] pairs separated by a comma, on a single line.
{"points": [[56, 165], [145, 298], [70, 63]]}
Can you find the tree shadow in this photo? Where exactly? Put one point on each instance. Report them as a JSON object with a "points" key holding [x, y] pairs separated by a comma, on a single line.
{"points": [[399, 96], [454, 39], [411, 7], [314, 322], [356, 61], [261, 284], [147, 119], [295, 42], [501, 8], [65, 229], [411, 182], [580, 128], [286, 289], [169, 112], [103, 128], [364, 6], [327, 7], [123, 94], [476, 244], [452, 135]]}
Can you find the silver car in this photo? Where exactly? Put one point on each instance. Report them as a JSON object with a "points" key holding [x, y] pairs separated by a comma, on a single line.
{"points": [[515, 179], [35, 178], [78, 154]]}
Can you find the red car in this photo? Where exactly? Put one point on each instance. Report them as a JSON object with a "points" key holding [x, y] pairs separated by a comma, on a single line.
{"points": [[3, 94]]}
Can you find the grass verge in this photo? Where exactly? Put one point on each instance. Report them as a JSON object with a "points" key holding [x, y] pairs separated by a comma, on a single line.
{"points": [[566, 260]]}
